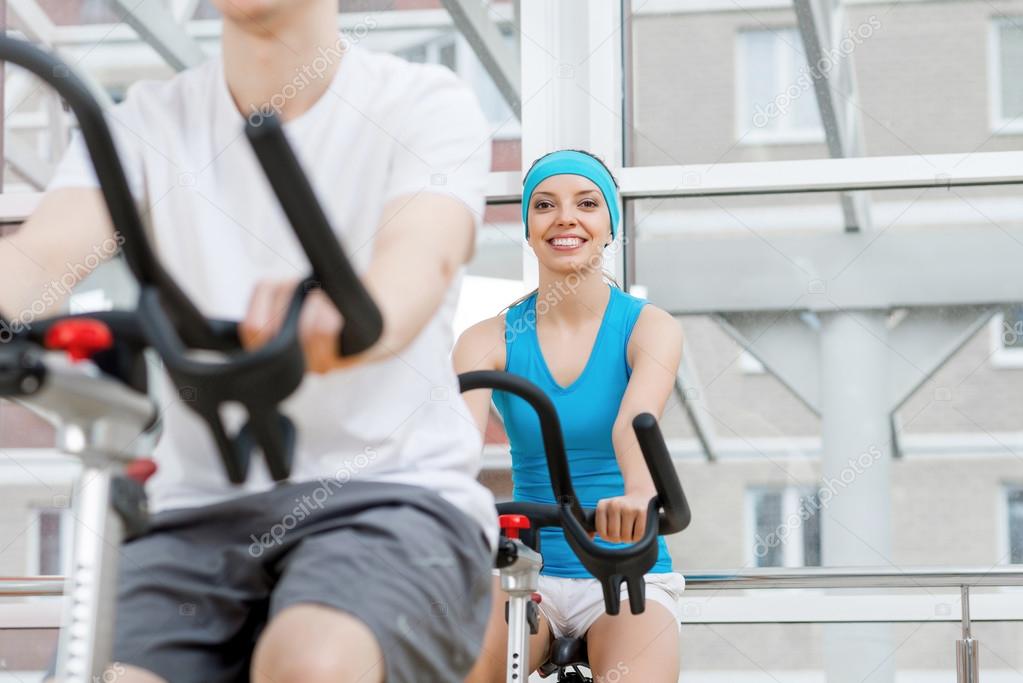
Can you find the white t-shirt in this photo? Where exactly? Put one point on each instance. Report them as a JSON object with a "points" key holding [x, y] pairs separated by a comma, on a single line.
{"points": [[384, 128]]}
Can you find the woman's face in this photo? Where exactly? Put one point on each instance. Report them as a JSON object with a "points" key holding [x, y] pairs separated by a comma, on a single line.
{"points": [[569, 223]]}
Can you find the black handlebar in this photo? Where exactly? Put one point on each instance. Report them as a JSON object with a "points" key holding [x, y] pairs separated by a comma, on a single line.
{"points": [[668, 512], [259, 380], [550, 429], [113, 182], [331, 269]]}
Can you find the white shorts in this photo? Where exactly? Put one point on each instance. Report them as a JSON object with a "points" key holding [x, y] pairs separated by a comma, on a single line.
{"points": [[571, 606]]}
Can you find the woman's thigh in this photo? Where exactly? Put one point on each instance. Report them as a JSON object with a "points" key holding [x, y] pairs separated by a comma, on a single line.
{"points": [[635, 647]]}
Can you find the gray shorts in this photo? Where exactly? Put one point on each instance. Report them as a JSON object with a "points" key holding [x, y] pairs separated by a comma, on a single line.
{"points": [[197, 590]]}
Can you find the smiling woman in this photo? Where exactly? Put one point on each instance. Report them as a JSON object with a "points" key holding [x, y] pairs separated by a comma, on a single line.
{"points": [[582, 181], [602, 356]]}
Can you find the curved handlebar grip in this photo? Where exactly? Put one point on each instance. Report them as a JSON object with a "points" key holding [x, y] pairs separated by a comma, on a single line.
{"points": [[542, 514], [675, 515], [363, 323], [112, 180], [550, 429], [613, 566]]}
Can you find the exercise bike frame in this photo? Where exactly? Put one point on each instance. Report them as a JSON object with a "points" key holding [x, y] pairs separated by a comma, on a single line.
{"points": [[520, 563]]}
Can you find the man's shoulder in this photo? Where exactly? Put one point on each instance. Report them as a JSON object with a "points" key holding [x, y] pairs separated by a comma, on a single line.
{"points": [[170, 95], [397, 79]]}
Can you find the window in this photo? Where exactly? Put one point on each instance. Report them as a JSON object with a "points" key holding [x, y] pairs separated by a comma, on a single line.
{"points": [[783, 527], [1014, 508], [438, 51], [776, 100], [454, 52], [50, 547], [1006, 329], [1006, 63]]}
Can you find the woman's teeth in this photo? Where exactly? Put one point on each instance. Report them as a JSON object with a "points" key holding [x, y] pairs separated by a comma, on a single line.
{"points": [[566, 242]]}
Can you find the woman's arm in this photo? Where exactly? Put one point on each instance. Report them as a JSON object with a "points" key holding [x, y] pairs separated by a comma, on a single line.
{"points": [[654, 353], [481, 347]]}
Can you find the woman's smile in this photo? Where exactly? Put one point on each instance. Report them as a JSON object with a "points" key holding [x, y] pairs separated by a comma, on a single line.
{"points": [[567, 243]]}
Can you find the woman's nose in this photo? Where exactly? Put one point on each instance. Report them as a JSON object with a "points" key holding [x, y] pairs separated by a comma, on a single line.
{"points": [[566, 216]]}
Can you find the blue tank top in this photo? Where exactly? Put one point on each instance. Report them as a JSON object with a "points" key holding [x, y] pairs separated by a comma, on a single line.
{"points": [[587, 408]]}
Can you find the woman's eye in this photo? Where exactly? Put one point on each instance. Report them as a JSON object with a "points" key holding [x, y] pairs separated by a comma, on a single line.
{"points": [[589, 203], [542, 205]]}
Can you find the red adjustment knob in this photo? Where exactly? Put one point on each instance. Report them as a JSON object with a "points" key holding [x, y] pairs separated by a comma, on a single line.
{"points": [[536, 597], [511, 524], [140, 470], [80, 338]]}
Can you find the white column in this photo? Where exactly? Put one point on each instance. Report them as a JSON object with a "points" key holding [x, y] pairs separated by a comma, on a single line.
{"points": [[856, 480], [571, 86]]}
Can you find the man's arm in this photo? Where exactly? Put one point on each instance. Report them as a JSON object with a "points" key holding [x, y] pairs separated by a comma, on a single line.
{"points": [[69, 232], [422, 241], [424, 235]]}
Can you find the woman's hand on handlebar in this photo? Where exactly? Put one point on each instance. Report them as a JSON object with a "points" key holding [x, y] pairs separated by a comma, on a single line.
{"points": [[623, 519], [319, 326]]}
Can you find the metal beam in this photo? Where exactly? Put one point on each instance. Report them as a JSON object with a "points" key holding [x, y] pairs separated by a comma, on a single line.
{"points": [[895, 425], [694, 400], [86, 35], [155, 24], [820, 22], [498, 57], [802, 176], [834, 271], [929, 336], [786, 346], [31, 18]]}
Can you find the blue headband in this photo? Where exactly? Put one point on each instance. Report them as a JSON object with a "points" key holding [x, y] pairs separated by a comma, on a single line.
{"points": [[569, 162]]}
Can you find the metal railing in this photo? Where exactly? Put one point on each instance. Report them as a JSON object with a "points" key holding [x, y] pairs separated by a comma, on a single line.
{"points": [[855, 577], [963, 578], [31, 586]]}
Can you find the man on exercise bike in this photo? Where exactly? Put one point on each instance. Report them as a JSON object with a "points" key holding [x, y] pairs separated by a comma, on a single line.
{"points": [[374, 563]]}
